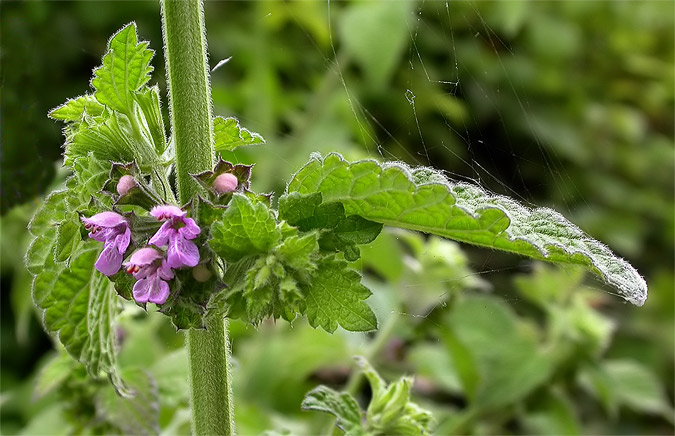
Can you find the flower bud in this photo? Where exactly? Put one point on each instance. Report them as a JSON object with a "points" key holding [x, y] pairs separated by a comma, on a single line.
{"points": [[225, 183], [126, 184], [201, 273]]}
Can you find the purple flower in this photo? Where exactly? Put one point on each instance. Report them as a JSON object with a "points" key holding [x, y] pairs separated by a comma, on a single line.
{"points": [[176, 232], [113, 230], [150, 269]]}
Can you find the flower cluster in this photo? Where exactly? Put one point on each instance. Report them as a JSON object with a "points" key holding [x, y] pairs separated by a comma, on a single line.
{"points": [[152, 267]]}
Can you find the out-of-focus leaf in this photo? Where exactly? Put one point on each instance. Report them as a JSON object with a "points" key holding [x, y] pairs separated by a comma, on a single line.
{"points": [[553, 414], [137, 414], [637, 388], [509, 368], [361, 31], [340, 404]]}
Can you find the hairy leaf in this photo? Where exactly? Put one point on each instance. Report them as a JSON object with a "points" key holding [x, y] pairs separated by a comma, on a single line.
{"points": [[340, 404], [425, 200], [247, 228], [341, 233], [126, 67], [79, 305], [74, 109], [151, 115], [110, 139], [228, 135], [336, 297], [44, 227]]}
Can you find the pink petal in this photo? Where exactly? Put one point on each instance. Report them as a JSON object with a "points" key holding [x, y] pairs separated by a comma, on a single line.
{"points": [[144, 256], [159, 291], [122, 240], [110, 260], [163, 235], [164, 271], [167, 210], [105, 219], [182, 252], [191, 229], [141, 290]]}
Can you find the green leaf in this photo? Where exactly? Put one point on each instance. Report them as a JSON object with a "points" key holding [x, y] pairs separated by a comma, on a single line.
{"points": [[126, 67], [79, 305], [336, 297], [463, 362], [553, 414], [341, 233], [151, 114], [247, 228], [391, 410], [296, 251], [44, 226], [361, 31], [53, 374], [339, 404], [109, 139], [68, 238], [137, 414], [228, 135], [508, 369], [423, 199], [637, 388], [74, 109]]}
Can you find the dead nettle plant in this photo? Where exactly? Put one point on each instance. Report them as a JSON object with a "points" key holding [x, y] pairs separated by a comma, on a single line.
{"points": [[207, 248]]}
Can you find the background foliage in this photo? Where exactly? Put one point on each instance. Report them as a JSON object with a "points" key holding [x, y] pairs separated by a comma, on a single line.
{"points": [[561, 104]]}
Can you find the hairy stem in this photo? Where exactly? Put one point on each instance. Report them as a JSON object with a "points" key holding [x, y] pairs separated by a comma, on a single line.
{"points": [[190, 105], [189, 91], [210, 386]]}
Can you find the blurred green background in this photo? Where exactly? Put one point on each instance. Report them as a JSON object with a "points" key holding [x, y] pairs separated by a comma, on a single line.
{"points": [[562, 104]]}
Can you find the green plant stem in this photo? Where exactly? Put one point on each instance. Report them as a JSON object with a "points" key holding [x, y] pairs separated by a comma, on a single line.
{"points": [[210, 386], [191, 126], [189, 91]]}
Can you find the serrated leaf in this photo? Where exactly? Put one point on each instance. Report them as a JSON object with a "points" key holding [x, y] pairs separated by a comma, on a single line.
{"points": [[79, 305], [247, 228], [424, 199], [339, 404], [49, 214], [126, 67], [336, 297], [112, 139], [228, 135], [44, 226], [67, 239], [342, 233], [296, 251], [137, 414], [74, 109]]}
